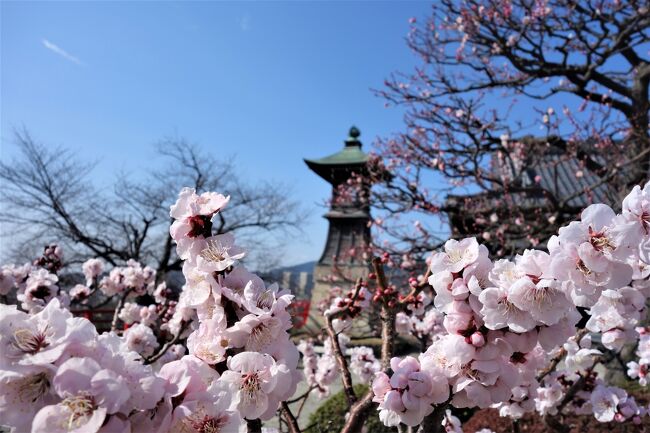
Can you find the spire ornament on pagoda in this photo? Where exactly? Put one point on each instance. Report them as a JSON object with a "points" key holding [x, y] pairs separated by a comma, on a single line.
{"points": [[343, 259]]}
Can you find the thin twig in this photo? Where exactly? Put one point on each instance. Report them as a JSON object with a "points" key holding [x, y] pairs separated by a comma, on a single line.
{"points": [[118, 308], [303, 395], [346, 376], [168, 344], [292, 422], [358, 411], [415, 291], [559, 357], [302, 406]]}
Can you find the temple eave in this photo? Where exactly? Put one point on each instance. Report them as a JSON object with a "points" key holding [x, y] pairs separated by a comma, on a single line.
{"points": [[357, 214]]}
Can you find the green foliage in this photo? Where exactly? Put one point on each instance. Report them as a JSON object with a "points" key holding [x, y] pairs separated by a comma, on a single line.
{"points": [[330, 416]]}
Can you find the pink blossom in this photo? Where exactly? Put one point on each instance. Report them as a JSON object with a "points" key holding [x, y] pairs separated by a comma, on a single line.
{"points": [[25, 390], [190, 204], [499, 312], [256, 332], [92, 269], [7, 280], [80, 293], [161, 293], [209, 342], [41, 338], [363, 363], [255, 378], [40, 288], [141, 339], [129, 313], [192, 214], [213, 410], [408, 395], [604, 401], [457, 255], [148, 315], [89, 393], [216, 253]]}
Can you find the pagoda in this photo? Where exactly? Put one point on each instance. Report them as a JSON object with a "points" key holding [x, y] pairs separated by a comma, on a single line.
{"points": [[348, 235]]}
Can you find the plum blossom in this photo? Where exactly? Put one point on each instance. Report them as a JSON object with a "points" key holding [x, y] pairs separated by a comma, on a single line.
{"points": [[193, 214], [92, 269], [58, 374], [132, 277], [578, 359], [209, 342], [548, 397], [536, 293], [89, 394], [498, 311], [256, 332], [25, 390], [42, 338], [363, 363], [321, 371], [148, 315], [641, 370], [585, 255], [7, 280], [211, 411], [216, 253], [80, 293], [258, 382], [604, 401], [130, 313], [615, 315], [451, 423], [457, 255], [40, 287], [408, 395], [161, 293], [488, 331], [141, 339]]}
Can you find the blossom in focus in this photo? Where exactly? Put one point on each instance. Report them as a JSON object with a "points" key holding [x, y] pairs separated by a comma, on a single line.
{"points": [[258, 381], [408, 395]]}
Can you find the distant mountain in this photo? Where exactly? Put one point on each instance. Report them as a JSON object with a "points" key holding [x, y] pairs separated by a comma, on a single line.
{"points": [[302, 267], [297, 278]]}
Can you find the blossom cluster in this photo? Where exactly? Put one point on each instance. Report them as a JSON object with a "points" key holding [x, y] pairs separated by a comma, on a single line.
{"points": [[132, 278], [502, 321], [489, 329], [322, 370], [640, 369], [60, 374], [35, 284], [347, 306]]}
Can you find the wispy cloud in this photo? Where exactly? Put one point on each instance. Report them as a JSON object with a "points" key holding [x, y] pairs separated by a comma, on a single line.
{"points": [[61, 52], [245, 23]]}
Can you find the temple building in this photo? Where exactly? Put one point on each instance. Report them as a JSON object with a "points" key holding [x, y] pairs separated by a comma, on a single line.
{"points": [[541, 188], [343, 259]]}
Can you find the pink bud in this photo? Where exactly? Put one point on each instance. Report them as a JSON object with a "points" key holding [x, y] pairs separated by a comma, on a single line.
{"points": [[477, 339]]}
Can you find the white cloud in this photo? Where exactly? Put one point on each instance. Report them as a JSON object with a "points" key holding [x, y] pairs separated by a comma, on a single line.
{"points": [[61, 52], [245, 23]]}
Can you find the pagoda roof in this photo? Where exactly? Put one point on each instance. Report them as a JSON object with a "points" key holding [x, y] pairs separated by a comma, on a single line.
{"points": [[350, 156]]}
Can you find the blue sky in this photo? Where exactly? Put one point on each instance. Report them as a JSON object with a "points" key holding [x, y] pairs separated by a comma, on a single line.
{"points": [[271, 82]]}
